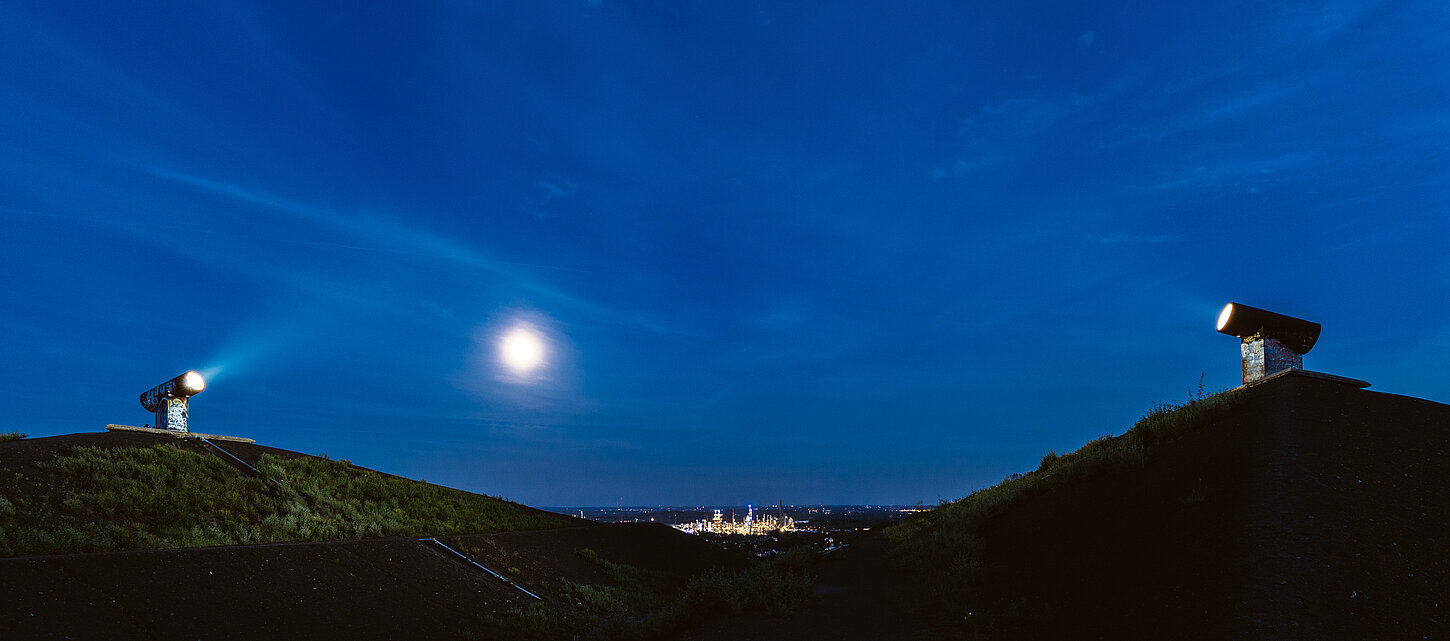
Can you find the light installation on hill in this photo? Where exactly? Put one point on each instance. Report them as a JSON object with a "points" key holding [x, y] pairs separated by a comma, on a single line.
{"points": [[169, 400], [1269, 342]]}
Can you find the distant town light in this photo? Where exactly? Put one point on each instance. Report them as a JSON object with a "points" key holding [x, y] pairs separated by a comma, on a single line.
{"points": [[1269, 342], [169, 400]]}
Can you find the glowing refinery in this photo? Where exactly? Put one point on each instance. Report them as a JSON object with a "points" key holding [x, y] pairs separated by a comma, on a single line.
{"points": [[752, 525]]}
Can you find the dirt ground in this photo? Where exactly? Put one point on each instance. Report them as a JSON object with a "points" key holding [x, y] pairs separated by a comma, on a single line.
{"points": [[384, 588], [1316, 511], [393, 588], [858, 594]]}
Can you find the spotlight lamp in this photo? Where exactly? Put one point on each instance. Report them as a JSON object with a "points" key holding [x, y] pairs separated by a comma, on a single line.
{"points": [[1269, 342], [169, 400]]}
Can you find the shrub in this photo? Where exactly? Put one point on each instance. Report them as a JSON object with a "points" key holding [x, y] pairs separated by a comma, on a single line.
{"points": [[597, 599], [943, 545], [12, 436], [645, 604], [165, 496], [1048, 460], [530, 622], [770, 588]]}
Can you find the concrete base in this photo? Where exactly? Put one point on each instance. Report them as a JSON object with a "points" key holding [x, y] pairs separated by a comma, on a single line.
{"points": [[178, 434], [1264, 357], [1352, 382]]}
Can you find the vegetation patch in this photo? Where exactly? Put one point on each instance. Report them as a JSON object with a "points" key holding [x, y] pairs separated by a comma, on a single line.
{"points": [[533, 622], [164, 496], [778, 586], [645, 604], [943, 546], [631, 590], [12, 436]]}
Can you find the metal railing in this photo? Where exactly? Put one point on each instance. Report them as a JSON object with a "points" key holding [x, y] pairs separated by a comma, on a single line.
{"points": [[479, 566]]}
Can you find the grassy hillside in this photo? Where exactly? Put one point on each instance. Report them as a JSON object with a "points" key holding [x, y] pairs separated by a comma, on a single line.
{"points": [[944, 546], [90, 499]]}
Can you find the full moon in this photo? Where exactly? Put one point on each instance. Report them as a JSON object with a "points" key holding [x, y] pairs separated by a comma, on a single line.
{"points": [[521, 349]]}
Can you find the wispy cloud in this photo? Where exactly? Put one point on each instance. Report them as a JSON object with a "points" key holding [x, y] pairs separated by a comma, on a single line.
{"points": [[961, 168], [557, 189], [380, 234], [1122, 238], [1001, 132], [830, 173], [84, 69], [1214, 110], [1237, 174], [1321, 21], [1087, 39], [719, 395]]}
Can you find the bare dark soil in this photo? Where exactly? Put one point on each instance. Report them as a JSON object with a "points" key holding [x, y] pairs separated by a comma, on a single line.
{"points": [[858, 594], [369, 589], [381, 588], [1314, 511]]}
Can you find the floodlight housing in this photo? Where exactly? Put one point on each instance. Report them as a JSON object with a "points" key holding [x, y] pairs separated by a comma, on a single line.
{"points": [[169, 400], [1246, 322], [1269, 342]]}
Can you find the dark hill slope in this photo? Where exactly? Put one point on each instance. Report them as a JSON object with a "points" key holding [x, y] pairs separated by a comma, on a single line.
{"points": [[129, 490], [1299, 508], [1314, 510], [378, 587], [390, 588]]}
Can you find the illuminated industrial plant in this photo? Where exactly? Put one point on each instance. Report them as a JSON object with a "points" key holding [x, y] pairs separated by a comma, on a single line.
{"points": [[1269, 342], [751, 525], [169, 400]]}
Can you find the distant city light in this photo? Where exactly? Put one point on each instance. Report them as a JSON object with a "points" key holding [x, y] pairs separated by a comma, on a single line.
{"points": [[751, 526], [169, 400]]}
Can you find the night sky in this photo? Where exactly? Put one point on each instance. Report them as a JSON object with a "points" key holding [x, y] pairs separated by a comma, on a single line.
{"points": [[811, 252]]}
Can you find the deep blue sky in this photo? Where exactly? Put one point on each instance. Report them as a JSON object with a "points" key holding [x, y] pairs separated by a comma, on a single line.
{"points": [[811, 252]]}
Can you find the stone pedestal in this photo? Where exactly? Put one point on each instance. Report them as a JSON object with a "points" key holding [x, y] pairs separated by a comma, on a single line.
{"points": [[1266, 357]]}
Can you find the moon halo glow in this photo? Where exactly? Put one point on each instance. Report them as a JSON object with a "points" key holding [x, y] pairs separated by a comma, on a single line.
{"points": [[521, 349]]}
